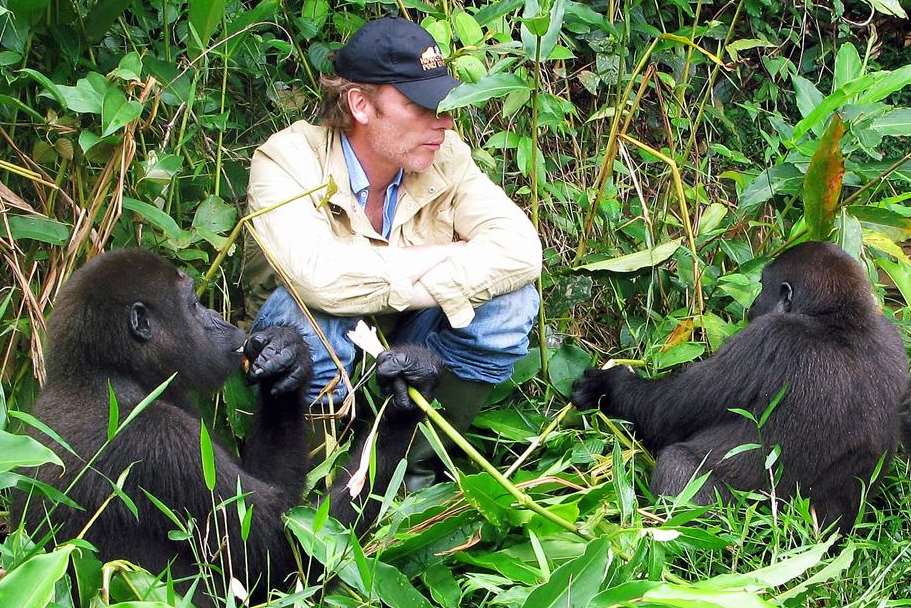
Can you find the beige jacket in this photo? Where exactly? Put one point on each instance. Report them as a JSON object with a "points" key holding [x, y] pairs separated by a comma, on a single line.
{"points": [[337, 261]]}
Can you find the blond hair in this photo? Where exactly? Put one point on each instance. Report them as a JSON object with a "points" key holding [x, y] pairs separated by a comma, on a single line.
{"points": [[334, 111]]}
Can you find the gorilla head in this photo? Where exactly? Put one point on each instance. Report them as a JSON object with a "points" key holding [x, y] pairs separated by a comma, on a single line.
{"points": [[131, 313], [812, 279]]}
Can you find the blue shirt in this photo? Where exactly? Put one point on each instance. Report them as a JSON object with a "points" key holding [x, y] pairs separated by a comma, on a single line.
{"points": [[360, 186]]}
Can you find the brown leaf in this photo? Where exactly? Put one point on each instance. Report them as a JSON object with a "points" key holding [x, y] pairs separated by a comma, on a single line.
{"points": [[822, 184]]}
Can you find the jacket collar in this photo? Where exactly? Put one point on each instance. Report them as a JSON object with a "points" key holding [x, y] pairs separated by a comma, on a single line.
{"points": [[416, 191]]}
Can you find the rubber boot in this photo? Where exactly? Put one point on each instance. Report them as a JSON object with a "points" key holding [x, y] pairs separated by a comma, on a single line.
{"points": [[461, 401]]}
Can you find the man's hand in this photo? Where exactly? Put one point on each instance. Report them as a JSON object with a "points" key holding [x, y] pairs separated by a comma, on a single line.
{"points": [[406, 365], [279, 360]]}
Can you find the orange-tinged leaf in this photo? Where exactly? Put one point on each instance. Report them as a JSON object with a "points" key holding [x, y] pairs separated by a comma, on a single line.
{"points": [[682, 333], [822, 184]]}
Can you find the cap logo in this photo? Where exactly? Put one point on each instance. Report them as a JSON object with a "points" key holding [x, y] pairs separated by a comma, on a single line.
{"points": [[432, 58]]}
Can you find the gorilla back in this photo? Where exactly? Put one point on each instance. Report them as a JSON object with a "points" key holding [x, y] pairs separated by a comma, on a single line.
{"points": [[816, 334]]}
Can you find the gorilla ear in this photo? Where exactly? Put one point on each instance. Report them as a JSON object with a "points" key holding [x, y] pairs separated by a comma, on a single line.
{"points": [[785, 294], [139, 322]]}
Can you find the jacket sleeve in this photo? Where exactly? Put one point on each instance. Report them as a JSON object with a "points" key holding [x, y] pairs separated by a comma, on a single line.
{"points": [[502, 251], [336, 274]]}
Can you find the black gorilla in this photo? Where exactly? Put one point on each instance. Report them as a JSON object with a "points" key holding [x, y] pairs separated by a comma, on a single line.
{"points": [[815, 332], [130, 318]]}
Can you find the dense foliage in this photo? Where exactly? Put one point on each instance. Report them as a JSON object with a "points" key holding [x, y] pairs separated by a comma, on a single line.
{"points": [[664, 150]]}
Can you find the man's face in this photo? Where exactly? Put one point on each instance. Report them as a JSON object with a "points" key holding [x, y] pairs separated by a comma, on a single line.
{"points": [[401, 133]]}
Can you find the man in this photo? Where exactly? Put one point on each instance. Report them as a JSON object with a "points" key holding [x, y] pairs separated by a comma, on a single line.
{"points": [[416, 233]]}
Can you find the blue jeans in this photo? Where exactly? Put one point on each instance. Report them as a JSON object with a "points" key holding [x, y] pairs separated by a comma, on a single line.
{"points": [[484, 351]]}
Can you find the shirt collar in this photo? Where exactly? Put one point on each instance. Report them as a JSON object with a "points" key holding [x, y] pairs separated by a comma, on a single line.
{"points": [[357, 178]]}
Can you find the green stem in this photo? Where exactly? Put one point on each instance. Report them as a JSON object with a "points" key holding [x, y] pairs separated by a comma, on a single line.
{"points": [[535, 203], [521, 497], [221, 132], [235, 233]]}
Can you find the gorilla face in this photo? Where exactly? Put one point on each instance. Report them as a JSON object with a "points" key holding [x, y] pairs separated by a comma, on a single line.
{"points": [[180, 326]]}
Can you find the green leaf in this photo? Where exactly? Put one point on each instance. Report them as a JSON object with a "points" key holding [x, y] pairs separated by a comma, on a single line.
{"points": [[117, 112], [204, 17], [102, 17], [566, 365], [146, 402], [487, 496], [831, 103], [900, 275], [491, 86], [547, 40], [575, 583], [745, 44], [314, 14], [679, 354], [469, 68], [886, 83], [88, 94], [207, 456], [396, 590], [889, 7], [45, 82], [23, 451], [897, 122], [467, 29], [215, 215], [165, 510], [822, 185], [31, 585], [636, 261], [507, 565], [38, 228], [442, 585], [129, 68], [495, 10], [155, 216], [808, 96], [41, 426], [780, 179], [113, 411], [848, 66], [239, 29], [746, 447]]}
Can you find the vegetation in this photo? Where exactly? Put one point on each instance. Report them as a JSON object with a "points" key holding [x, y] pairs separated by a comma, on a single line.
{"points": [[665, 150]]}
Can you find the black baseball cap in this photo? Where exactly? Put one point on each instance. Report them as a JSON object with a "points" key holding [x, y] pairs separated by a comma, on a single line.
{"points": [[396, 51]]}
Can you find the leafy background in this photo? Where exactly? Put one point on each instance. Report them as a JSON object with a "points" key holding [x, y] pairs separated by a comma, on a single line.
{"points": [[665, 151]]}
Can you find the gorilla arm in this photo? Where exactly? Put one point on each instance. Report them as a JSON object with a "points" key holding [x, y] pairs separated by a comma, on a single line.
{"points": [[745, 373]]}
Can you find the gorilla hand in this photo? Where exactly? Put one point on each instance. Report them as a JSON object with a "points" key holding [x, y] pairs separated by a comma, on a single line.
{"points": [[406, 365], [596, 386], [280, 359]]}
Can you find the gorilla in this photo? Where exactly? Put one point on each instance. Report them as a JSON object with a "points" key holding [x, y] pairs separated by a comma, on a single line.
{"points": [[128, 320], [815, 336]]}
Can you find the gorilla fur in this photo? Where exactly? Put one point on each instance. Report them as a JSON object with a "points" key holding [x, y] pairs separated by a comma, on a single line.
{"points": [[129, 318], [814, 331]]}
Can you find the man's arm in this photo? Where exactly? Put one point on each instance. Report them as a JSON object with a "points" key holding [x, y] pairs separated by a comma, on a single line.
{"points": [[502, 250]]}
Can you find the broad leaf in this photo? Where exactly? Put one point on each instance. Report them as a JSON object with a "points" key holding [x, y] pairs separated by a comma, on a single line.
{"points": [[635, 261], [38, 228], [575, 583], [23, 451], [31, 585], [494, 85], [117, 111], [205, 16]]}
